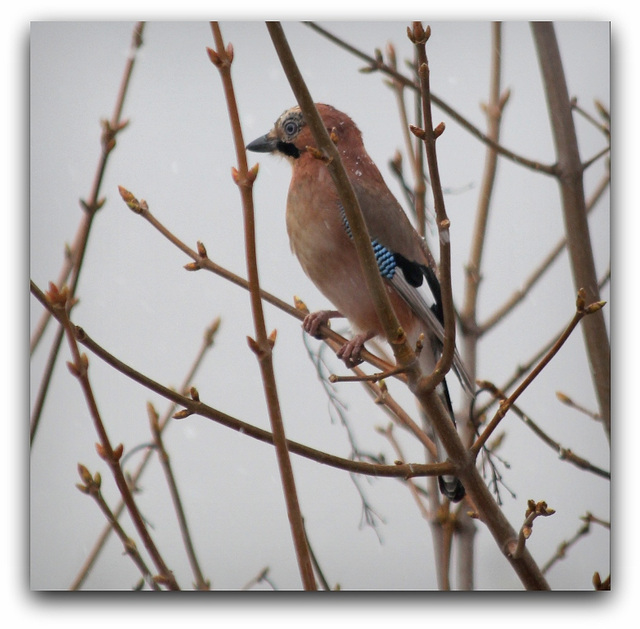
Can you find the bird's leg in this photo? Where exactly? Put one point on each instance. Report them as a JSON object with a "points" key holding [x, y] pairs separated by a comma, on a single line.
{"points": [[314, 320], [350, 351]]}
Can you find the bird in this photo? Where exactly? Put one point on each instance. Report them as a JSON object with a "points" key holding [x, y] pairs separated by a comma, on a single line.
{"points": [[320, 237]]}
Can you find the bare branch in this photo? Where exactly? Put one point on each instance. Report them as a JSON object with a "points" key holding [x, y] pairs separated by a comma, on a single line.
{"points": [[569, 171], [582, 310], [534, 510], [375, 65], [59, 303], [201, 582], [394, 333], [75, 256]]}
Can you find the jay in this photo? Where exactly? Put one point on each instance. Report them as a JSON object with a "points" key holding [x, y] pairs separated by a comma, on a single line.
{"points": [[321, 239]]}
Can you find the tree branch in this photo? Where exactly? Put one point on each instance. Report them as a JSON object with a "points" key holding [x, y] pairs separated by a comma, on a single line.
{"points": [[263, 345], [378, 65], [393, 332], [197, 407], [569, 171], [75, 255], [582, 310]]}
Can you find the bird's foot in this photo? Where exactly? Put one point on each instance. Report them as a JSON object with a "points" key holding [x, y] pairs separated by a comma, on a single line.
{"points": [[314, 320], [350, 351]]}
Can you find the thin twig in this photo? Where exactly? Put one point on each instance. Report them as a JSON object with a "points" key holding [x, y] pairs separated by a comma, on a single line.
{"points": [[428, 135], [134, 477], [565, 399], [565, 454], [201, 582], [262, 576], [222, 58], [493, 111], [91, 486], [75, 257], [581, 311], [563, 547], [534, 510], [604, 127], [60, 302], [376, 65]]}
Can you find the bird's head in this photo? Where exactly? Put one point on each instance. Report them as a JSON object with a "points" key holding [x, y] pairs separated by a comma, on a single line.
{"points": [[291, 135]]}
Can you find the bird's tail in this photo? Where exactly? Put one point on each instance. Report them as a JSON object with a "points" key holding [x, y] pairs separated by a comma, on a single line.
{"points": [[450, 486]]}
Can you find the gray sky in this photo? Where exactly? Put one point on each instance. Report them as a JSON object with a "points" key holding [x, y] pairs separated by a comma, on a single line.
{"points": [[138, 302]]}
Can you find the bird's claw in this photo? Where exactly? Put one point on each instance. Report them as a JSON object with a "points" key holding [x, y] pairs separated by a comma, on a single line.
{"points": [[350, 352], [314, 321]]}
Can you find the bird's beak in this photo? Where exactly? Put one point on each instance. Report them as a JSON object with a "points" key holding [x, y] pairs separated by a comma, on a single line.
{"points": [[264, 144]]}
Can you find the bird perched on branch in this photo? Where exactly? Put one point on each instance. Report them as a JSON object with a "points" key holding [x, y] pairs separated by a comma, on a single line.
{"points": [[322, 240]]}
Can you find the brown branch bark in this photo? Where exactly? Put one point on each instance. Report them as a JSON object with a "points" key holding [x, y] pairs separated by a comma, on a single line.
{"points": [[419, 37], [263, 345], [73, 263], [137, 473], [569, 172], [582, 311], [165, 462], [374, 64], [468, 315], [197, 407], [60, 303]]}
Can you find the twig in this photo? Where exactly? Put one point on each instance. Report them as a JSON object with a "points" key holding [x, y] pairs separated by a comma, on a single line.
{"points": [[368, 377], [201, 582], [134, 477], [561, 551], [534, 510], [603, 127], [569, 171], [262, 576], [419, 36], [493, 111], [565, 454], [75, 257], [582, 310], [91, 486], [378, 65], [565, 399], [197, 407], [60, 302], [262, 345]]}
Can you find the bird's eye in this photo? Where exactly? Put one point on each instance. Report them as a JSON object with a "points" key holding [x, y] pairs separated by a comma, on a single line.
{"points": [[290, 128]]}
